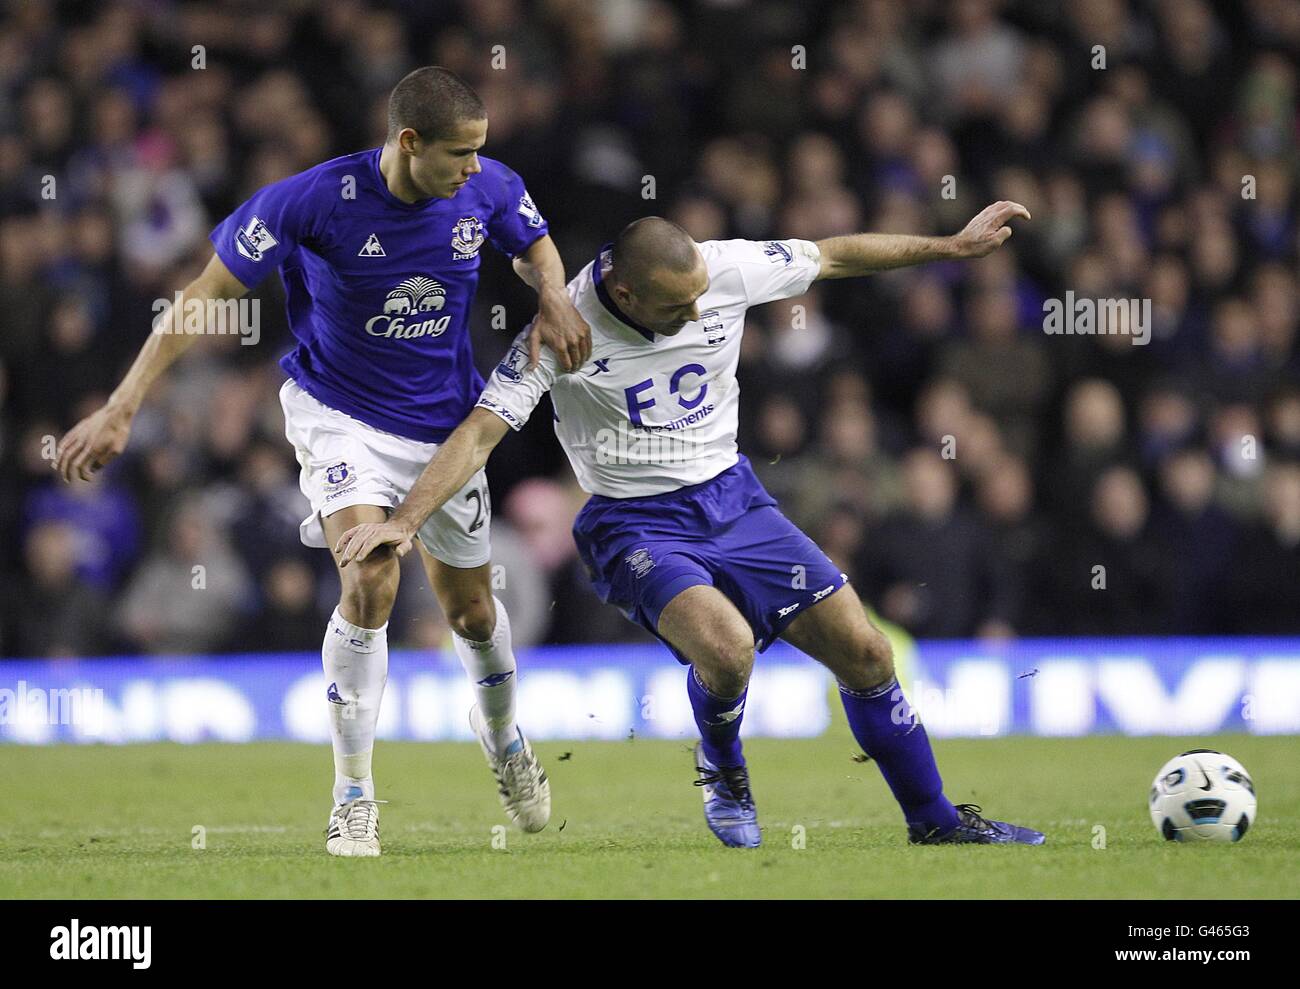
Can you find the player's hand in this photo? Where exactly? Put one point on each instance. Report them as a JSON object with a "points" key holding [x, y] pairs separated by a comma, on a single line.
{"points": [[559, 326], [362, 540], [988, 230], [93, 442]]}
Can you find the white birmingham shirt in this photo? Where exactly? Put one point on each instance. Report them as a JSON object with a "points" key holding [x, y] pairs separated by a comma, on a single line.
{"points": [[650, 413]]}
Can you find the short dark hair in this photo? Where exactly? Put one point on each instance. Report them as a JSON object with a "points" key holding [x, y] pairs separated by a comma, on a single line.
{"points": [[431, 101], [652, 244]]}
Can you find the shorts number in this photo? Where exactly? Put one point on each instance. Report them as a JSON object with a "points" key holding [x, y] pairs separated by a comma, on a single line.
{"points": [[482, 507]]}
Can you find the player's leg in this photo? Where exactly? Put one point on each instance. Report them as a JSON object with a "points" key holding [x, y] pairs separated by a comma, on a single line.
{"points": [[837, 632], [355, 659], [668, 587], [344, 476], [455, 551], [702, 625], [480, 630]]}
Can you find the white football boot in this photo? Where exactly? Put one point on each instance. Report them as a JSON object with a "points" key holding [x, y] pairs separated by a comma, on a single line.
{"points": [[353, 830], [521, 780]]}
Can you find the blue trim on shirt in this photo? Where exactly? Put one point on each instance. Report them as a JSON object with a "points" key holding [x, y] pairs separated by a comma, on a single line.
{"points": [[607, 301]]}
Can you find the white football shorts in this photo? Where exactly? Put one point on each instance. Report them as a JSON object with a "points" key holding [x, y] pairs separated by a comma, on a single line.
{"points": [[345, 462]]}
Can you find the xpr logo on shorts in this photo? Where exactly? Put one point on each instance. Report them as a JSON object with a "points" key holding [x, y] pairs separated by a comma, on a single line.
{"points": [[412, 297], [782, 612], [818, 595], [640, 562], [466, 238]]}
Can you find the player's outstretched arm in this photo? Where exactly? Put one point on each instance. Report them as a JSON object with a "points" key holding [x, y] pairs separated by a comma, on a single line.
{"points": [[861, 254], [460, 458], [559, 325], [103, 434]]}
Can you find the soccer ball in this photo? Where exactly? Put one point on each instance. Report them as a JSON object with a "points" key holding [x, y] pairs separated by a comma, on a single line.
{"points": [[1202, 795]]}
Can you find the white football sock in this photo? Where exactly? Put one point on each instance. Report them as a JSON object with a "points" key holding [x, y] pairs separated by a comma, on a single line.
{"points": [[490, 666], [356, 669]]}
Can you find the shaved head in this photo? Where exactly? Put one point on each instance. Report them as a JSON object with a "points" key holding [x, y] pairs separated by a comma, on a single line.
{"points": [[657, 274], [652, 244]]}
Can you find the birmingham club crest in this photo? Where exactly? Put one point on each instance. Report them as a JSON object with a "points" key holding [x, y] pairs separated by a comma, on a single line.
{"points": [[714, 330], [640, 562]]}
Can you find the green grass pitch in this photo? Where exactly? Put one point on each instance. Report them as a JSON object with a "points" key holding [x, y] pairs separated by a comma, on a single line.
{"points": [[110, 822]]}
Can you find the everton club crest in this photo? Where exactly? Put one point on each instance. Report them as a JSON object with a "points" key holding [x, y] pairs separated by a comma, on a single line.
{"points": [[466, 238]]}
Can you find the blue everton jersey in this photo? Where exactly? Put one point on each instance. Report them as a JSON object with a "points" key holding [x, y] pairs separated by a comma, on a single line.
{"points": [[379, 290]]}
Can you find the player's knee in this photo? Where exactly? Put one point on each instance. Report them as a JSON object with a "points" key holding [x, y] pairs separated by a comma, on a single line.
{"points": [[876, 656], [725, 667], [472, 617], [370, 587]]}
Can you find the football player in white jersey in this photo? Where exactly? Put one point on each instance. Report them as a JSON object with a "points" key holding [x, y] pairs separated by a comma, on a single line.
{"points": [[678, 532]]}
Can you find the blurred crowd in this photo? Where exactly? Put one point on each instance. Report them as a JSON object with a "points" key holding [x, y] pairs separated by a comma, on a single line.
{"points": [[974, 475]]}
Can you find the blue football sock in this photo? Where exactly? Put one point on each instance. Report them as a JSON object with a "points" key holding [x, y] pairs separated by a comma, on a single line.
{"points": [[887, 728], [718, 719]]}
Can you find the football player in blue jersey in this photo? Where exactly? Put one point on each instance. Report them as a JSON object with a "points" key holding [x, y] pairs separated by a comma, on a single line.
{"points": [[679, 533], [379, 255]]}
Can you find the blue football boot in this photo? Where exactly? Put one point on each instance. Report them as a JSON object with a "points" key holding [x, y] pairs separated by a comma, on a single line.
{"points": [[976, 830], [728, 805]]}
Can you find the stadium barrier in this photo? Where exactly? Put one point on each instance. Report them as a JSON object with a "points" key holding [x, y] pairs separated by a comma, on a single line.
{"points": [[1059, 687]]}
